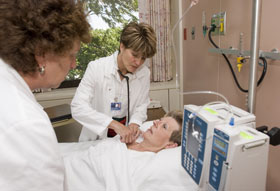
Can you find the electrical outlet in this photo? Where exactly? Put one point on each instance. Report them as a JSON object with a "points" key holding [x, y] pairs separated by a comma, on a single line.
{"points": [[220, 21]]}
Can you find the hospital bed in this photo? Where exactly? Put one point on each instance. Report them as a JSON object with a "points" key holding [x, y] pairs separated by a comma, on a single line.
{"points": [[109, 165]]}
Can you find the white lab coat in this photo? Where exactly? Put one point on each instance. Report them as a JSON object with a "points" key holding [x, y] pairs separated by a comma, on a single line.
{"points": [[101, 86], [29, 154]]}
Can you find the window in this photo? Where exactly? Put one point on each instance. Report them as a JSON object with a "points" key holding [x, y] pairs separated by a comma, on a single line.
{"points": [[107, 18]]}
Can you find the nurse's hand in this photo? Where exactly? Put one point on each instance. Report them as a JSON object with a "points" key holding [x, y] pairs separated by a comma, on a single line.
{"points": [[125, 132], [136, 131]]}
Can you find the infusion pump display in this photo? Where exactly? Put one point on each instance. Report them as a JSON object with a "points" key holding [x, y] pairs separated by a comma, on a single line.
{"points": [[193, 147], [218, 157]]}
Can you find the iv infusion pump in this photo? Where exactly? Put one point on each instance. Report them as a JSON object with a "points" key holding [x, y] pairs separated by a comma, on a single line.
{"points": [[219, 156]]}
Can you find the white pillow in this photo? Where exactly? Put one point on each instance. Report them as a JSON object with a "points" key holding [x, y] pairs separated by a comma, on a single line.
{"points": [[165, 173]]}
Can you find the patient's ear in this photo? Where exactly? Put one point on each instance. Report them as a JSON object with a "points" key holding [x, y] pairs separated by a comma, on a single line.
{"points": [[171, 145]]}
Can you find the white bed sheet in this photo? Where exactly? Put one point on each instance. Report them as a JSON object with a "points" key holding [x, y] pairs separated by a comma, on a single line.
{"points": [[109, 165]]}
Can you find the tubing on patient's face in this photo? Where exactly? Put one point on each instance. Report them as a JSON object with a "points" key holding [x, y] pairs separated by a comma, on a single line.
{"points": [[159, 133]]}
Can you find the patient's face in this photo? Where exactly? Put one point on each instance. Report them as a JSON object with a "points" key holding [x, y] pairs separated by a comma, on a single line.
{"points": [[158, 135]]}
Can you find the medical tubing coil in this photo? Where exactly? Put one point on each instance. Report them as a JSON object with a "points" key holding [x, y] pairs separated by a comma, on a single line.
{"points": [[211, 103]]}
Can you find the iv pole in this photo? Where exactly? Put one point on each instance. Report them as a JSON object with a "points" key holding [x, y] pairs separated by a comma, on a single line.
{"points": [[255, 37]]}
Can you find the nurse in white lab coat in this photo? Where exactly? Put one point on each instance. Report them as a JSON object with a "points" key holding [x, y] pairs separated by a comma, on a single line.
{"points": [[37, 49], [101, 100]]}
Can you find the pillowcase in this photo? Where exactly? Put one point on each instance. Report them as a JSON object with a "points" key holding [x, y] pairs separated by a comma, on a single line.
{"points": [[164, 171]]}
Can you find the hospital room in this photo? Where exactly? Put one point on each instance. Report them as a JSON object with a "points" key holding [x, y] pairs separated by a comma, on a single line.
{"points": [[139, 95]]}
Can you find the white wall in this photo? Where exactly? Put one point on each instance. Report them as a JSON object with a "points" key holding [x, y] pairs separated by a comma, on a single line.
{"points": [[163, 92]]}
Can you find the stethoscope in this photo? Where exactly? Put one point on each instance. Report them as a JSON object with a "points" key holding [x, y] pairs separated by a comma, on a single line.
{"points": [[127, 82]]}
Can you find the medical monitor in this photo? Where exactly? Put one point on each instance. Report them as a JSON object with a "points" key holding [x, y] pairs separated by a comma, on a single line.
{"points": [[193, 142]]}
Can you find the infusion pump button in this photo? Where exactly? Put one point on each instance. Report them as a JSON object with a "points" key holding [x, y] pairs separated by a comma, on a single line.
{"points": [[215, 169], [216, 163]]}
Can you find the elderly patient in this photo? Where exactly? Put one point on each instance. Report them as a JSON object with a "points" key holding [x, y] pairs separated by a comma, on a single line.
{"points": [[165, 133], [109, 164]]}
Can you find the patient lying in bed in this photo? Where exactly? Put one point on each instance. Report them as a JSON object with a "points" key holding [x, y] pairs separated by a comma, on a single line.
{"points": [[112, 165], [164, 133]]}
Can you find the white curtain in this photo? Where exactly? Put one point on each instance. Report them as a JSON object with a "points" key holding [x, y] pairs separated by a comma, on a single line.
{"points": [[157, 14]]}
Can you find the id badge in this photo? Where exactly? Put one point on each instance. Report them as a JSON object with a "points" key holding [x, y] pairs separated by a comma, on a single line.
{"points": [[115, 106]]}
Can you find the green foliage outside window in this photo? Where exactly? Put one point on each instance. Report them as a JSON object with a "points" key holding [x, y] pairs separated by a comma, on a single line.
{"points": [[114, 11], [104, 43]]}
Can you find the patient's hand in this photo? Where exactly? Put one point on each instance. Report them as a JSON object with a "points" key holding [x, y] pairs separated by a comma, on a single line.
{"points": [[126, 133]]}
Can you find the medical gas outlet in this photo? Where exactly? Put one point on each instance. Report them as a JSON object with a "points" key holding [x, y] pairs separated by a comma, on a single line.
{"points": [[219, 20]]}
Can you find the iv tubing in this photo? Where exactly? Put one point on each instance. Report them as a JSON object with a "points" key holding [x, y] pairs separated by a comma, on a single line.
{"points": [[207, 104], [206, 92], [210, 103], [211, 92], [194, 2]]}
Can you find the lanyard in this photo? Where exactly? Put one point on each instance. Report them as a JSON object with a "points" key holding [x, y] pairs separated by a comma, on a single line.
{"points": [[127, 82]]}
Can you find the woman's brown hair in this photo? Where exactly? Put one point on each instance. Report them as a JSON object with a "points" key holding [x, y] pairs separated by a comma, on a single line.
{"points": [[37, 27], [176, 136], [140, 37]]}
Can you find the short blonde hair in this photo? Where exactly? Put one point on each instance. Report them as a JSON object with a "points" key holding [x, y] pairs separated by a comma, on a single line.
{"points": [[140, 38], [176, 135]]}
